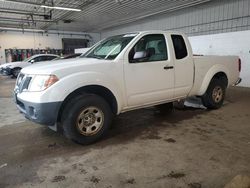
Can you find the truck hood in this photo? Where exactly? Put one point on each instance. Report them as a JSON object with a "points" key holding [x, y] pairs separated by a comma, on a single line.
{"points": [[63, 67]]}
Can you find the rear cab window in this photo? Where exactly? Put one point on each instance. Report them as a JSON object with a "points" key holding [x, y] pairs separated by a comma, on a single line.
{"points": [[180, 47]]}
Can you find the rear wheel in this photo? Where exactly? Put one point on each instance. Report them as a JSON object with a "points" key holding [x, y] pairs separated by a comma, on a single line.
{"points": [[215, 94], [15, 72], [86, 118]]}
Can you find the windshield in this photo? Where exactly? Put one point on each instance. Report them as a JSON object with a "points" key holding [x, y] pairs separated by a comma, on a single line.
{"points": [[110, 48], [28, 59]]}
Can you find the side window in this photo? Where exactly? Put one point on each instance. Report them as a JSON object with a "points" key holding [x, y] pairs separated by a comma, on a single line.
{"points": [[48, 58], [44, 58], [36, 59], [179, 46], [149, 48]]}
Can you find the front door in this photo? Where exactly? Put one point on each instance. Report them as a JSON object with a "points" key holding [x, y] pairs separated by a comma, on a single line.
{"points": [[149, 72]]}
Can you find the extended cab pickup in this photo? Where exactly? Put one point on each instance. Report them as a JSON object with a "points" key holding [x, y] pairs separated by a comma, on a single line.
{"points": [[119, 74]]}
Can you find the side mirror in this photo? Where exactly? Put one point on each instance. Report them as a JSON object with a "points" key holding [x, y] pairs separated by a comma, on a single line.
{"points": [[32, 61], [140, 55], [144, 55]]}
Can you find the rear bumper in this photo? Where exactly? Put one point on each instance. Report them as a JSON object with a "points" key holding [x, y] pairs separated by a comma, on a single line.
{"points": [[42, 113], [238, 81]]}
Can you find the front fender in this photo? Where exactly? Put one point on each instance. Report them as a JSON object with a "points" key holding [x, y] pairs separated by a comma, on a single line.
{"points": [[66, 85], [210, 74]]}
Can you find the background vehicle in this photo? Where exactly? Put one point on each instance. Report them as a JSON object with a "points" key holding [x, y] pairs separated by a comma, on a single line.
{"points": [[13, 69], [68, 56], [120, 74]]}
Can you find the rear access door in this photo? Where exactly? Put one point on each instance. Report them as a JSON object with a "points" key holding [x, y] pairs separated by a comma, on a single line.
{"points": [[184, 66]]}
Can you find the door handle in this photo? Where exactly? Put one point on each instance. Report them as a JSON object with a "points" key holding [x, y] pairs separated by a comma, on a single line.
{"points": [[168, 67]]}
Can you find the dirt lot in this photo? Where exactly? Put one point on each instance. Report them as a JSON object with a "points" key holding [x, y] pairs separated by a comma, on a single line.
{"points": [[188, 148]]}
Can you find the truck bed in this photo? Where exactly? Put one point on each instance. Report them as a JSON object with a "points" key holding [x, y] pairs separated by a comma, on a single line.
{"points": [[203, 71]]}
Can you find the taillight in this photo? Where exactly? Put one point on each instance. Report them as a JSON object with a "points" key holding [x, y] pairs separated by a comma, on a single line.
{"points": [[239, 64]]}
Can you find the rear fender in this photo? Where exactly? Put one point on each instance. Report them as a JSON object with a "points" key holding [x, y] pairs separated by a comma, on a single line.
{"points": [[209, 76]]}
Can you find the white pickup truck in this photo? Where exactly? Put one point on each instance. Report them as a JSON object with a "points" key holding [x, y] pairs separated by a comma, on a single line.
{"points": [[119, 74]]}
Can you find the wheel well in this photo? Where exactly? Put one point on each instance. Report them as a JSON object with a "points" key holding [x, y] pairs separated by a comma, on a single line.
{"points": [[222, 76], [16, 68], [101, 91], [12, 71]]}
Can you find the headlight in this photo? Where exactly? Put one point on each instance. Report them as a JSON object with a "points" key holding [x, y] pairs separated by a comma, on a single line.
{"points": [[42, 82]]}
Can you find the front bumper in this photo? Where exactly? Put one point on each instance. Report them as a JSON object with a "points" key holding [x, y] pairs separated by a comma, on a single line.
{"points": [[6, 71], [42, 113]]}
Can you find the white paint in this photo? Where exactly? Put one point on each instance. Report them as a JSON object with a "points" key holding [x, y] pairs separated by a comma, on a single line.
{"points": [[233, 43], [35, 40]]}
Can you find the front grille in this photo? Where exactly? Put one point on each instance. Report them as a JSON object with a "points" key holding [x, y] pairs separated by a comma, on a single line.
{"points": [[20, 104], [23, 82], [19, 79]]}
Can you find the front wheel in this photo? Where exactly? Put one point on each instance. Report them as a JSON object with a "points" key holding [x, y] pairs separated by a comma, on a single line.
{"points": [[86, 118], [215, 94]]}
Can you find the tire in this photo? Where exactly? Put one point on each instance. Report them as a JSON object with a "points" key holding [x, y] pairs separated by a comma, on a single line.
{"points": [[15, 72], [86, 118], [215, 94]]}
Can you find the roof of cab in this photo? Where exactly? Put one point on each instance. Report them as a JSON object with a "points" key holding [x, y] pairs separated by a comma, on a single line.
{"points": [[160, 31]]}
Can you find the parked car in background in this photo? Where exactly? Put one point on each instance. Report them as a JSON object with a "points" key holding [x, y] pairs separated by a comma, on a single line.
{"points": [[13, 69], [69, 56], [72, 56]]}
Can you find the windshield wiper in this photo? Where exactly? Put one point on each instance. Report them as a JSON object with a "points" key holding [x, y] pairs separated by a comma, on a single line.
{"points": [[94, 56]]}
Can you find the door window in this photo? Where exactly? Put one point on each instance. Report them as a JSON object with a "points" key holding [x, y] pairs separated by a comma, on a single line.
{"points": [[148, 49], [48, 58], [36, 59], [42, 58]]}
